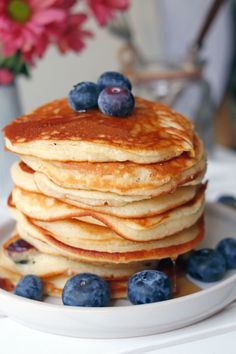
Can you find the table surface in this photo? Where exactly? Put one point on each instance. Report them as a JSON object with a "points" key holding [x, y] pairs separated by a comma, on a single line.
{"points": [[212, 336]]}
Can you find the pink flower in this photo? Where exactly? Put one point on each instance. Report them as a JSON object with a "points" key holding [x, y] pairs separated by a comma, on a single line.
{"points": [[72, 35], [103, 10], [6, 77], [29, 26]]}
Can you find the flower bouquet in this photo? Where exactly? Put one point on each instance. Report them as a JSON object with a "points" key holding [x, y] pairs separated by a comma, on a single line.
{"points": [[28, 27]]}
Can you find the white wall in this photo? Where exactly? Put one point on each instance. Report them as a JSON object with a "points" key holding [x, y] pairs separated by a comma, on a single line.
{"points": [[176, 21], [181, 22], [55, 74]]}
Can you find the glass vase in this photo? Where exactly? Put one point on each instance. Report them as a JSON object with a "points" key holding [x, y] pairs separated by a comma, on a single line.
{"points": [[10, 108]]}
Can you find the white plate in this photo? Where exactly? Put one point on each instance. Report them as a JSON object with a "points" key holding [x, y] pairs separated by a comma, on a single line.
{"points": [[125, 320]]}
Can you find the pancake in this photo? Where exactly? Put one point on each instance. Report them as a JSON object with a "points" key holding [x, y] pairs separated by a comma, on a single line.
{"points": [[99, 244], [153, 133], [139, 209], [125, 179], [29, 260], [49, 210], [136, 209], [98, 199], [8, 279], [23, 177], [101, 194], [126, 206]]}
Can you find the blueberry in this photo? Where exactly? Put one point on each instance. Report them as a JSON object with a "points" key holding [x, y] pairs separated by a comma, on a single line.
{"points": [[19, 246], [227, 200], [227, 247], [116, 101], [30, 286], [148, 286], [83, 96], [86, 289], [206, 265], [113, 78]]}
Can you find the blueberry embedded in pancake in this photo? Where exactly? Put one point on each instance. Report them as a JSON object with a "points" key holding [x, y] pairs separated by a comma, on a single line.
{"points": [[20, 251], [19, 246]]}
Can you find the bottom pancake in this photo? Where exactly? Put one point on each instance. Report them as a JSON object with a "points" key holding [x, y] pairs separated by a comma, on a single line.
{"points": [[20, 256], [53, 285]]}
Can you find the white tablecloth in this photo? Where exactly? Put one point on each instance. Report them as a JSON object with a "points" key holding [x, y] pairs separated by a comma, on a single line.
{"points": [[212, 336]]}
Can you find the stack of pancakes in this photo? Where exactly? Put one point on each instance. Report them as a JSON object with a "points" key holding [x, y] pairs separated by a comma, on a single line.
{"points": [[100, 194]]}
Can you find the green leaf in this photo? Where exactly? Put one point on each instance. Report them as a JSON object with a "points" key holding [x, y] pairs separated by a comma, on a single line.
{"points": [[25, 70], [15, 64]]}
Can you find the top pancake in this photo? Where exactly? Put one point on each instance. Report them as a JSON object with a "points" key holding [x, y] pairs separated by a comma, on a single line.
{"points": [[153, 133]]}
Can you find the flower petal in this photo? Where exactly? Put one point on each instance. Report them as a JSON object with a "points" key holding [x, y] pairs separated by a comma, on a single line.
{"points": [[48, 16]]}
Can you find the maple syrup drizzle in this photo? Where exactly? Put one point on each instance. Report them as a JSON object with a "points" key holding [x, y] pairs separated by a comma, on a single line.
{"points": [[175, 268], [185, 287], [174, 275], [6, 284]]}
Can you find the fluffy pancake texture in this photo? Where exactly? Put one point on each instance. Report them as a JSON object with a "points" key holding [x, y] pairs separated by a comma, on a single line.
{"points": [[39, 207], [101, 194], [151, 134], [143, 208], [124, 178], [98, 244], [44, 265]]}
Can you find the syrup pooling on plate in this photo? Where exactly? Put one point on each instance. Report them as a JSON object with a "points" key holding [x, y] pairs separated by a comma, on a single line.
{"points": [[176, 270], [6, 284]]}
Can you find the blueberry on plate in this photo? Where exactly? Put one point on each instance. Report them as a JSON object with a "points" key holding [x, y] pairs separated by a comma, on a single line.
{"points": [[86, 289], [148, 286], [84, 96], [227, 248], [113, 78], [116, 101], [206, 265], [228, 200], [30, 286]]}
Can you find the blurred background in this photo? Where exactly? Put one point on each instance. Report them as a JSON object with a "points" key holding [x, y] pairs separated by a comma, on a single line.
{"points": [[179, 52], [162, 29]]}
